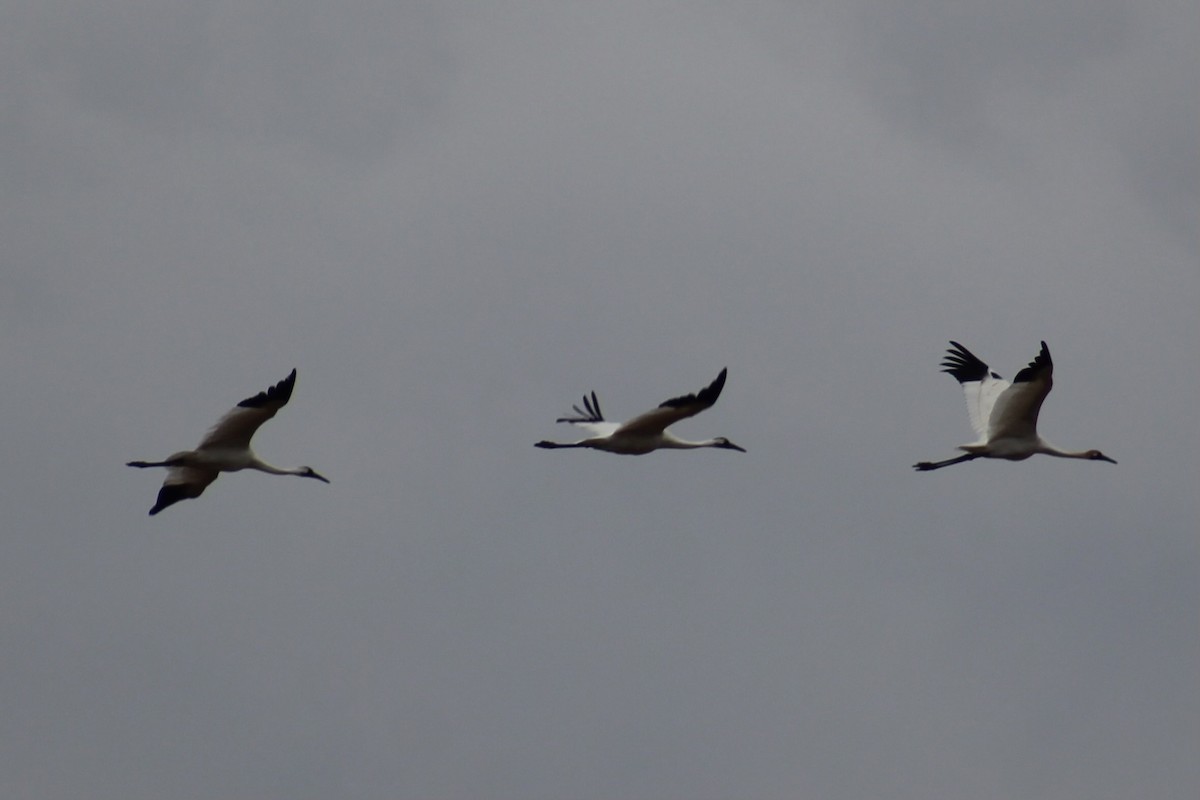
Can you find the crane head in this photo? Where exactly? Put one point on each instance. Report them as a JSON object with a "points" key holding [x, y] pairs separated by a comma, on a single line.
{"points": [[725, 444], [309, 472], [1096, 455]]}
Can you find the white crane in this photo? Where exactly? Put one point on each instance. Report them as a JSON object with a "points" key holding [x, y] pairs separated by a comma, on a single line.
{"points": [[225, 448], [1004, 415], [647, 432]]}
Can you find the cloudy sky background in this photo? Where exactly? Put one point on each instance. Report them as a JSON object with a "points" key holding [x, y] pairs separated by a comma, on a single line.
{"points": [[454, 219]]}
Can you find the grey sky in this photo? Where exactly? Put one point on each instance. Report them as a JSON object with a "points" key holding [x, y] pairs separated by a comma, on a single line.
{"points": [[456, 218]]}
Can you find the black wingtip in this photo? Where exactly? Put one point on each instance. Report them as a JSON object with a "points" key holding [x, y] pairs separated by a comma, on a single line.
{"points": [[964, 365], [709, 394], [1036, 367], [172, 493], [279, 394], [704, 398], [589, 413]]}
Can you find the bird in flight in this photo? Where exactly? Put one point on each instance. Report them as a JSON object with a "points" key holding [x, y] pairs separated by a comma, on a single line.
{"points": [[225, 448], [1004, 415], [646, 432]]}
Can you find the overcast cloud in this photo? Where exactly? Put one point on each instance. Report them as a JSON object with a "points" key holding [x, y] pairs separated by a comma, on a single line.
{"points": [[456, 218]]}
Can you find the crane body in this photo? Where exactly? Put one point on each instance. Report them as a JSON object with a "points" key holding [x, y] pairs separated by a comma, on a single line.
{"points": [[225, 448], [1004, 415]]}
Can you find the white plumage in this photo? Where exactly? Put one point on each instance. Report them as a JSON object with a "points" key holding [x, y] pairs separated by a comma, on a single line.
{"points": [[646, 432], [1004, 415], [225, 448]]}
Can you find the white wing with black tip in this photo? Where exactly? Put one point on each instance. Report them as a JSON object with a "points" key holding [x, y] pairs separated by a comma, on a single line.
{"points": [[981, 387], [1015, 413], [182, 483], [238, 426], [590, 418], [675, 409]]}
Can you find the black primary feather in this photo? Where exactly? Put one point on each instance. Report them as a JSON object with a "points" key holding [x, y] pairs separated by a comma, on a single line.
{"points": [[279, 394], [1036, 367], [592, 414], [172, 493], [964, 365], [704, 398]]}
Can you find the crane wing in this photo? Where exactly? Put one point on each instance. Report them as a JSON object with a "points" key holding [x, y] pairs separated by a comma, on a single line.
{"points": [[673, 410], [182, 483], [590, 418], [1015, 412], [235, 429], [597, 429], [589, 413], [980, 385]]}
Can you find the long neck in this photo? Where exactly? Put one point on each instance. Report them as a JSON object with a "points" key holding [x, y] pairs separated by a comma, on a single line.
{"points": [[672, 442], [1046, 448], [262, 466]]}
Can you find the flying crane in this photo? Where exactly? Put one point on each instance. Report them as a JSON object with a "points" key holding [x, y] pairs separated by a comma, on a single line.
{"points": [[225, 448], [646, 432], [1004, 415]]}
